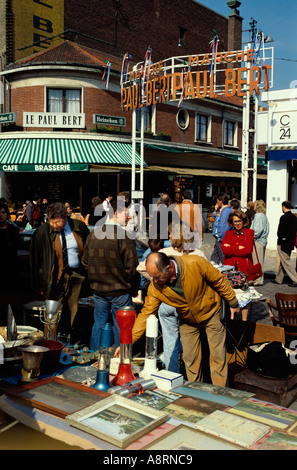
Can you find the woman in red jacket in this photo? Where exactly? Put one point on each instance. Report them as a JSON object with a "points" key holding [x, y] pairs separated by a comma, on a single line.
{"points": [[237, 245]]}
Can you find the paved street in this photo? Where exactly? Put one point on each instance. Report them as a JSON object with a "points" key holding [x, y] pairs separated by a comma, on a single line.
{"points": [[269, 289]]}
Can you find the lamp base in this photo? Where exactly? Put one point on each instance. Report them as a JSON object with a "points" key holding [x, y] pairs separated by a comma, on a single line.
{"points": [[150, 367], [102, 382], [30, 376], [124, 375]]}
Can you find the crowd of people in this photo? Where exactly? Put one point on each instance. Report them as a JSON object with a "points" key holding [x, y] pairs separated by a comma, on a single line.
{"points": [[184, 289]]}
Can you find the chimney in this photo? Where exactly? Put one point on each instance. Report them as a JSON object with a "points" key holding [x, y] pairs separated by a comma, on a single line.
{"points": [[234, 26]]}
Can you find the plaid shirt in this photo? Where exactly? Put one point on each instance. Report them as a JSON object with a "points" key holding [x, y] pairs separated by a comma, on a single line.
{"points": [[111, 260]]}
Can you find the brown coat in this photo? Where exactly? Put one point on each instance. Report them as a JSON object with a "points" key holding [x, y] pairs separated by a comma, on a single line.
{"points": [[59, 252], [203, 286]]}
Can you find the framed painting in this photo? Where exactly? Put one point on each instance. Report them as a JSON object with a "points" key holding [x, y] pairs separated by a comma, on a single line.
{"points": [[117, 420], [184, 414], [197, 404], [154, 399], [185, 438], [267, 413], [292, 429], [214, 393], [58, 396], [277, 441], [241, 431]]}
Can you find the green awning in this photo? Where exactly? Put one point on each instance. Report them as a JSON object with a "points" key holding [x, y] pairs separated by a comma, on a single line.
{"points": [[170, 147], [60, 154]]}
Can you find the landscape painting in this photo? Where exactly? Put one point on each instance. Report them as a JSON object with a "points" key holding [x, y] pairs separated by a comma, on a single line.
{"points": [[278, 441], [236, 429], [117, 420], [264, 412], [223, 395]]}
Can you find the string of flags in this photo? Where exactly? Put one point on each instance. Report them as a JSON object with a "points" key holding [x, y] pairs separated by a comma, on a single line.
{"points": [[107, 73], [125, 67], [257, 44], [186, 79], [145, 69], [214, 43]]}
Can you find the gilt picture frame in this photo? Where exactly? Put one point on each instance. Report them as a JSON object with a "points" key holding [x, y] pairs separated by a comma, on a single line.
{"points": [[184, 438], [57, 396], [117, 420]]}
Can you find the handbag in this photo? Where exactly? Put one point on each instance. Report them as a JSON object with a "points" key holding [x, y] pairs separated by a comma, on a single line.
{"points": [[254, 271]]}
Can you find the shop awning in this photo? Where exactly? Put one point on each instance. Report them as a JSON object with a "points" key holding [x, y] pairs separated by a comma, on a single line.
{"points": [[186, 149], [62, 154], [199, 172], [282, 152]]}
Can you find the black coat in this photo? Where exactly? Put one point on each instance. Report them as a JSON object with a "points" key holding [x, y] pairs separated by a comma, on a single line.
{"points": [[286, 232], [42, 254]]}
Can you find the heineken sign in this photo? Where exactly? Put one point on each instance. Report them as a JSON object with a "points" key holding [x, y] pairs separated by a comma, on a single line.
{"points": [[7, 118], [109, 120]]}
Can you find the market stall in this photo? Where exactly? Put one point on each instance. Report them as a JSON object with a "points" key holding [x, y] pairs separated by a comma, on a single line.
{"points": [[74, 406]]}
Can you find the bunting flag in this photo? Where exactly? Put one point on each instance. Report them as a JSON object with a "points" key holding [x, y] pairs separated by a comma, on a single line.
{"points": [[214, 49], [146, 67], [146, 63], [258, 42], [186, 74], [125, 67], [106, 72]]}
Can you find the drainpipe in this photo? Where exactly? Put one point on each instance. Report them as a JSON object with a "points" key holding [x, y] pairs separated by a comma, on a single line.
{"points": [[8, 87]]}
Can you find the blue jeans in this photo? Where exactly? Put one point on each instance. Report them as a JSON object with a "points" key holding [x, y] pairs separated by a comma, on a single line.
{"points": [[171, 339], [103, 307]]}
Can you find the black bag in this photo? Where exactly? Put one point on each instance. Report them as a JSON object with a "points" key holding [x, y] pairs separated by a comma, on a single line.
{"points": [[271, 360]]}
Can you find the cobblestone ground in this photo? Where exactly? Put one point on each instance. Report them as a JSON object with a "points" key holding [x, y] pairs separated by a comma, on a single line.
{"points": [[258, 311]]}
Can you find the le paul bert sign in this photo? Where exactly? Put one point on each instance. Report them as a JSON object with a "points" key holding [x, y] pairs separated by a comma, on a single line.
{"points": [[61, 120]]}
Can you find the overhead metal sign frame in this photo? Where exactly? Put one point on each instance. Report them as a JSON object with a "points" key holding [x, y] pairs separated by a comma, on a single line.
{"points": [[241, 73]]}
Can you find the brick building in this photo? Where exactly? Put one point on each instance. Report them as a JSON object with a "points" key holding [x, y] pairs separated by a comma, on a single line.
{"points": [[54, 57]]}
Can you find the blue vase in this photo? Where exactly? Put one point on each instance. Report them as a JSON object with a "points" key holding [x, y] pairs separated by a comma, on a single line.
{"points": [[102, 382]]}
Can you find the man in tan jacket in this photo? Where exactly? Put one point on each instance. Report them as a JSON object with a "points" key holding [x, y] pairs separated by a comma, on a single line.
{"points": [[195, 288]]}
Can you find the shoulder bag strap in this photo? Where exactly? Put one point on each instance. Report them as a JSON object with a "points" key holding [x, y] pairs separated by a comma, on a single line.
{"points": [[256, 252]]}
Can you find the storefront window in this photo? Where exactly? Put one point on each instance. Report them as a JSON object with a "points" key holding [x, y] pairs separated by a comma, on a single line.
{"points": [[146, 118], [63, 101], [201, 127], [229, 133]]}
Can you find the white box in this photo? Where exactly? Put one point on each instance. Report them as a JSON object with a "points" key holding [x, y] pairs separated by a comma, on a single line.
{"points": [[166, 380]]}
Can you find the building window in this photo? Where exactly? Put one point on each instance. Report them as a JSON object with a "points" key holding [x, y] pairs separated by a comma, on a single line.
{"points": [[146, 118], [63, 101], [202, 128], [229, 137], [182, 119]]}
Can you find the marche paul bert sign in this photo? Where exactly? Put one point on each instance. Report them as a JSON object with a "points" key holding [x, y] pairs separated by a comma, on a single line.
{"points": [[61, 120], [228, 74]]}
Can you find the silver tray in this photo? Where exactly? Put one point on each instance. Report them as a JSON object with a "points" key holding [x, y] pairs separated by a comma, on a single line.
{"points": [[79, 374]]}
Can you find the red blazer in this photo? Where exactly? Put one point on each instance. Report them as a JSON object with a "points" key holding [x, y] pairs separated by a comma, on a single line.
{"points": [[232, 253]]}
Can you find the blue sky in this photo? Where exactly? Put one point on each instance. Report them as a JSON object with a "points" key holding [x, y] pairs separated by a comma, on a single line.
{"points": [[276, 18]]}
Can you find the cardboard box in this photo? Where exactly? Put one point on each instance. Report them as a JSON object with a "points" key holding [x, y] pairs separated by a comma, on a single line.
{"points": [[166, 380]]}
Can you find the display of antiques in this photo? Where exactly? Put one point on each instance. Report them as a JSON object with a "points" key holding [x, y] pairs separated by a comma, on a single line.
{"points": [[119, 407]]}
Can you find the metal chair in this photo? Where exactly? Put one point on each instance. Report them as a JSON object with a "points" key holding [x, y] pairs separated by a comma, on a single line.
{"points": [[286, 306]]}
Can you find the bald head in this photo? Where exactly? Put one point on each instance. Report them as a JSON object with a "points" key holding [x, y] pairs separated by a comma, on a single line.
{"points": [[158, 266]]}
